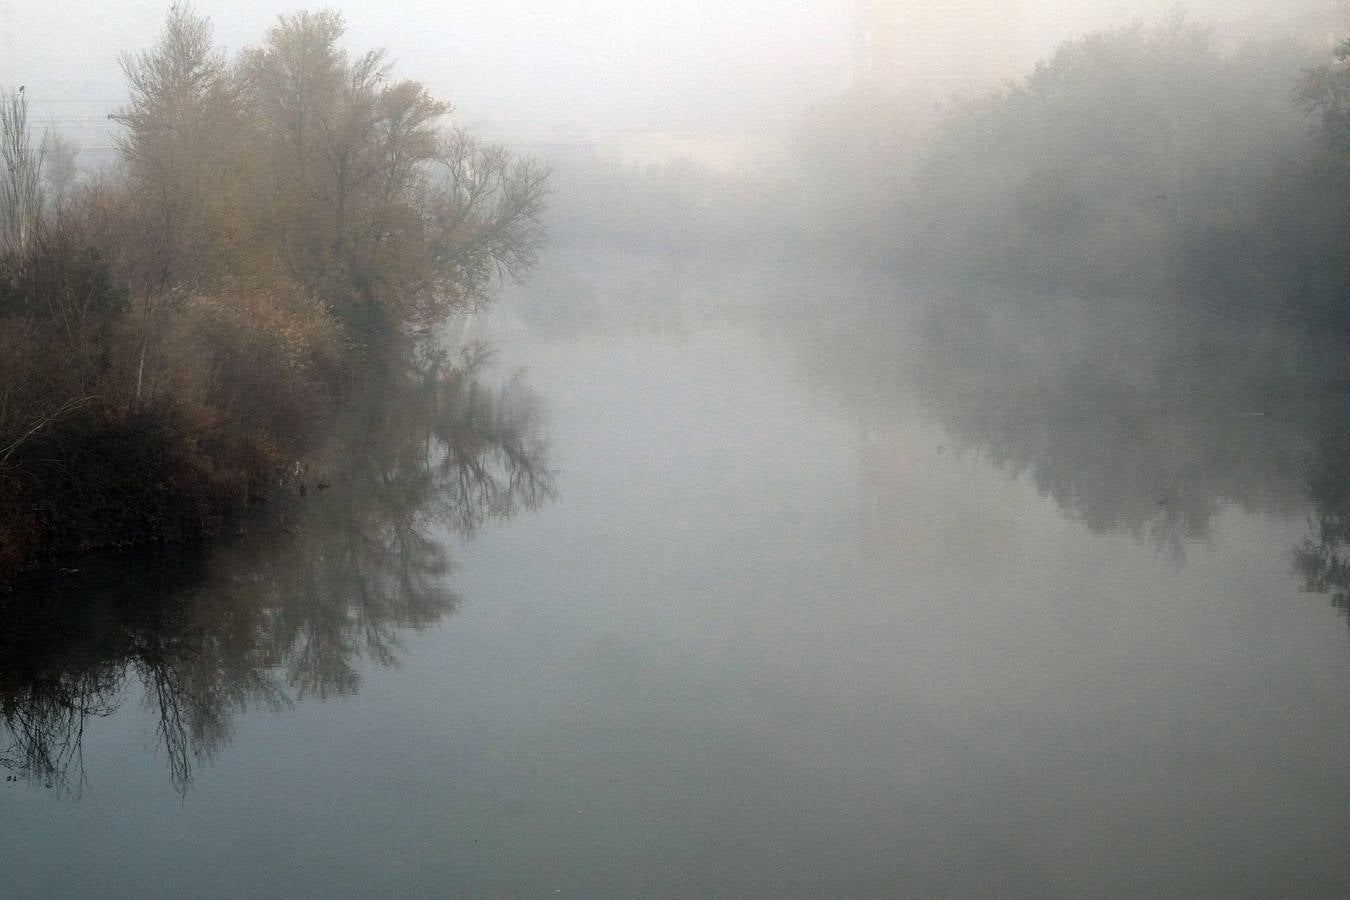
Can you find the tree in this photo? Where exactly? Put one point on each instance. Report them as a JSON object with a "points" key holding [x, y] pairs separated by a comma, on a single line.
{"points": [[177, 147], [380, 214], [1325, 91], [483, 213], [345, 147], [200, 306], [60, 173], [21, 180]]}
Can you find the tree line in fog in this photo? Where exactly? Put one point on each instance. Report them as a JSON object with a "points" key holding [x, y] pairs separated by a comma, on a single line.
{"points": [[176, 333], [1137, 161]]}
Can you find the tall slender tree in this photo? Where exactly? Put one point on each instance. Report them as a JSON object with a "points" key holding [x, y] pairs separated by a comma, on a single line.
{"points": [[21, 180]]}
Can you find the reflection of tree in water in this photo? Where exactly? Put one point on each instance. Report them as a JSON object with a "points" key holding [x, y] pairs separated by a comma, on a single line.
{"points": [[1155, 430], [285, 613], [1151, 430], [1322, 561], [1136, 418], [1140, 419]]}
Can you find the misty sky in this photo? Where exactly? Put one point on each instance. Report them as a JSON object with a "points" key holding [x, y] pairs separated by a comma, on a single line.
{"points": [[529, 66]]}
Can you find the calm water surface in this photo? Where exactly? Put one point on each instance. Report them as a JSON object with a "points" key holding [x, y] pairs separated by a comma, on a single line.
{"points": [[914, 600]]}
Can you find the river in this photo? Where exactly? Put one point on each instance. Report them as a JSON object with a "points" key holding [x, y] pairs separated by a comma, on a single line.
{"points": [[728, 581]]}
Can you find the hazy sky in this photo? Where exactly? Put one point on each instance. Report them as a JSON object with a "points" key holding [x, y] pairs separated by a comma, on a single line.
{"points": [[532, 65], [555, 62]]}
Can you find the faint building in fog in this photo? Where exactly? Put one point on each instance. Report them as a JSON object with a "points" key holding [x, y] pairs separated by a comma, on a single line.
{"points": [[937, 46]]}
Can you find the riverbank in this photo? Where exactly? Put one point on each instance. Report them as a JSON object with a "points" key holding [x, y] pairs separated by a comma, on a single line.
{"points": [[179, 336]]}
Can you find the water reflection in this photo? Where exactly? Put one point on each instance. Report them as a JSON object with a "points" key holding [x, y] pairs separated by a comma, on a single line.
{"points": [[1143, 418], [288, 610], [1323, 559]]}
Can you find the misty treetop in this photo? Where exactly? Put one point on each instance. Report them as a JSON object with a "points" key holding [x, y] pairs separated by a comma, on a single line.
{"points": [[1147, 162], [174, 334], [301, 163], [1134, 162], [1137, 161]]}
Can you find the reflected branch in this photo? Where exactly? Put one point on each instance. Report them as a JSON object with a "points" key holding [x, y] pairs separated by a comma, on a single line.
{"points": [[290, 611]]}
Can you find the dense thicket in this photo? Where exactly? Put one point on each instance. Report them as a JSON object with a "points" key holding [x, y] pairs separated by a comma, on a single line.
{"points": [[1140, 160], [1131, 162], [174, 336]]}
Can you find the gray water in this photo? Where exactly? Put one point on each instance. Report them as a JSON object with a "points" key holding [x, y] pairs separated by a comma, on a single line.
{"points": [[815, 586]]}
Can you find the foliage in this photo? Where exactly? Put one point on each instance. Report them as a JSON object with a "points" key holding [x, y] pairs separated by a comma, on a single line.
{"points": [[21, 178], [1325, 90], [279, 223], [1135, 161]]}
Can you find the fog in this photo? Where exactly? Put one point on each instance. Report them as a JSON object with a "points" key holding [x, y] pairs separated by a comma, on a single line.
{"points": [[794, 449], [528, 68]]}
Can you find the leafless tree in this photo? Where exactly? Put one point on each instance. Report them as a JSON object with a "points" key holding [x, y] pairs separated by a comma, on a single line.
{"points": [[21, 180]]}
